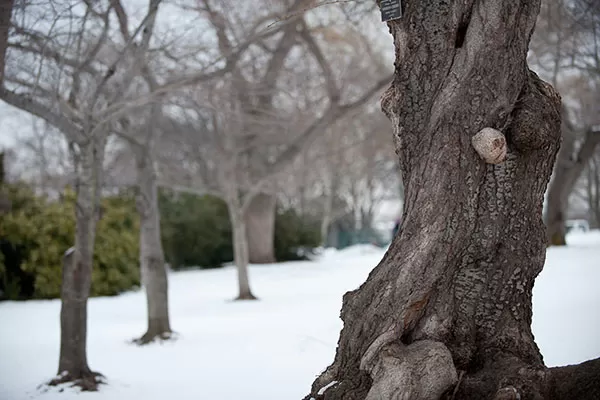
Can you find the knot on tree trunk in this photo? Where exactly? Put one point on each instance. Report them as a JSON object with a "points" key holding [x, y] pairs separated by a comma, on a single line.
{"points": [[490, 144], [507, 393], [536, 116], [422, 370]]}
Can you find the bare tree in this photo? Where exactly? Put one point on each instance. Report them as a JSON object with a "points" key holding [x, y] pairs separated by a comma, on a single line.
{"points": [[76, 77], [239, 156], [350, 169], [447, 312], [142, 136], [593, 189], [258, 86], [566, 43]]}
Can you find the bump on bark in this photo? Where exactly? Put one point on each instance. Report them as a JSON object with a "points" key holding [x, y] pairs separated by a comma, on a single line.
{"points": [[536, 116], [490, 144]]}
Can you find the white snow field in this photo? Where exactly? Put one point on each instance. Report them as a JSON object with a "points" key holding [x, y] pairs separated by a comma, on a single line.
{"points": [[265, 350]]}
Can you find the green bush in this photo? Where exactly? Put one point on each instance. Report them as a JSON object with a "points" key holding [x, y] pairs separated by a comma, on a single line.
{"points": [[295, 236], [196, 232], [37, 232]]}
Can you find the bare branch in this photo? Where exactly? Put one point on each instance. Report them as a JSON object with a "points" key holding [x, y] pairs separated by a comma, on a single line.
{"points": [[122, 18], [276, 63], [147, 22], [28, 104], [332, 89], [52, 54], [333, 114]]}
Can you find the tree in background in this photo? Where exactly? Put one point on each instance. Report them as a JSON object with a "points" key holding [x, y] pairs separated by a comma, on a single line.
{"points": [[264, 90], [84, 77], [566, 51]]}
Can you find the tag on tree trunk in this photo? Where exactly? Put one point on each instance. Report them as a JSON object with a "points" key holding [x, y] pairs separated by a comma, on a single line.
{"points": [[390, 10]]}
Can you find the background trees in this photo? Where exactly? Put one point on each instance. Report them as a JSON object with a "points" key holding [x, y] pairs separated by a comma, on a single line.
{"points": [[565, 50], [271, 112], [122, 83]]}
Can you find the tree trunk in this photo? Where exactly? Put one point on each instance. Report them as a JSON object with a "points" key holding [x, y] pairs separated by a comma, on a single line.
{"points": [[77, 271], [447, 312], [260, 228], [593, 190], [152, 260], [569, 166], [6, 7], [326, 219], [5, 203], [240, 252]]}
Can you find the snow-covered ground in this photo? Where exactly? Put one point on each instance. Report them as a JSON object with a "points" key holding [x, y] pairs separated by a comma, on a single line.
{"points": [[265, 350]]}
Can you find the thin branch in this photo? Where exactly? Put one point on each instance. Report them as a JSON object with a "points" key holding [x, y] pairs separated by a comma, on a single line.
{"points": [[333, 114], [52, 54], [122, 18]]}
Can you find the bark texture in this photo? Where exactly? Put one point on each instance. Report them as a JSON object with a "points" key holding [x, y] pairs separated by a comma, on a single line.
{"points": [[152, 260], [77, 270], [457, 280], [260, 228]]}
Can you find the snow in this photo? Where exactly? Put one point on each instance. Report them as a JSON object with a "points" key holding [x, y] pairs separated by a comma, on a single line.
{"points": [[266, 350], [324, 388]]}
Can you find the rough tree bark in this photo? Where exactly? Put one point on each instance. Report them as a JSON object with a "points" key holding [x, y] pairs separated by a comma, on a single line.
{"points": [[569, 166], [260, 228], [447, 312], [77, 269], [152, 260]]}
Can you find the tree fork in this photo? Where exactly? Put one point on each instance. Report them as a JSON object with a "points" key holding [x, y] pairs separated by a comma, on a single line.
{"points": [[447, 312]]}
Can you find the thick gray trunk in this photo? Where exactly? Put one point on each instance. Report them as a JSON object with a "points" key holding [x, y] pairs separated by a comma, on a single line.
{"points": [[77, 270], [152, 260], [447, 312], [260, 228]]}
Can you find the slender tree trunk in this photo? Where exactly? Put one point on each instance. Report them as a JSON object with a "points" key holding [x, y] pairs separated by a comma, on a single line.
{"points": [[260, 228], [447, 312], [5, 203], [593, 190], [77, 270], [326, 220], [569, 167], [152, 260], [6, 7], [240, 251]]}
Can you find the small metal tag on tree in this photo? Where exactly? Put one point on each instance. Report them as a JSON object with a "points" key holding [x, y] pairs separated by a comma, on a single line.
{"points": [[390, 10]]}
